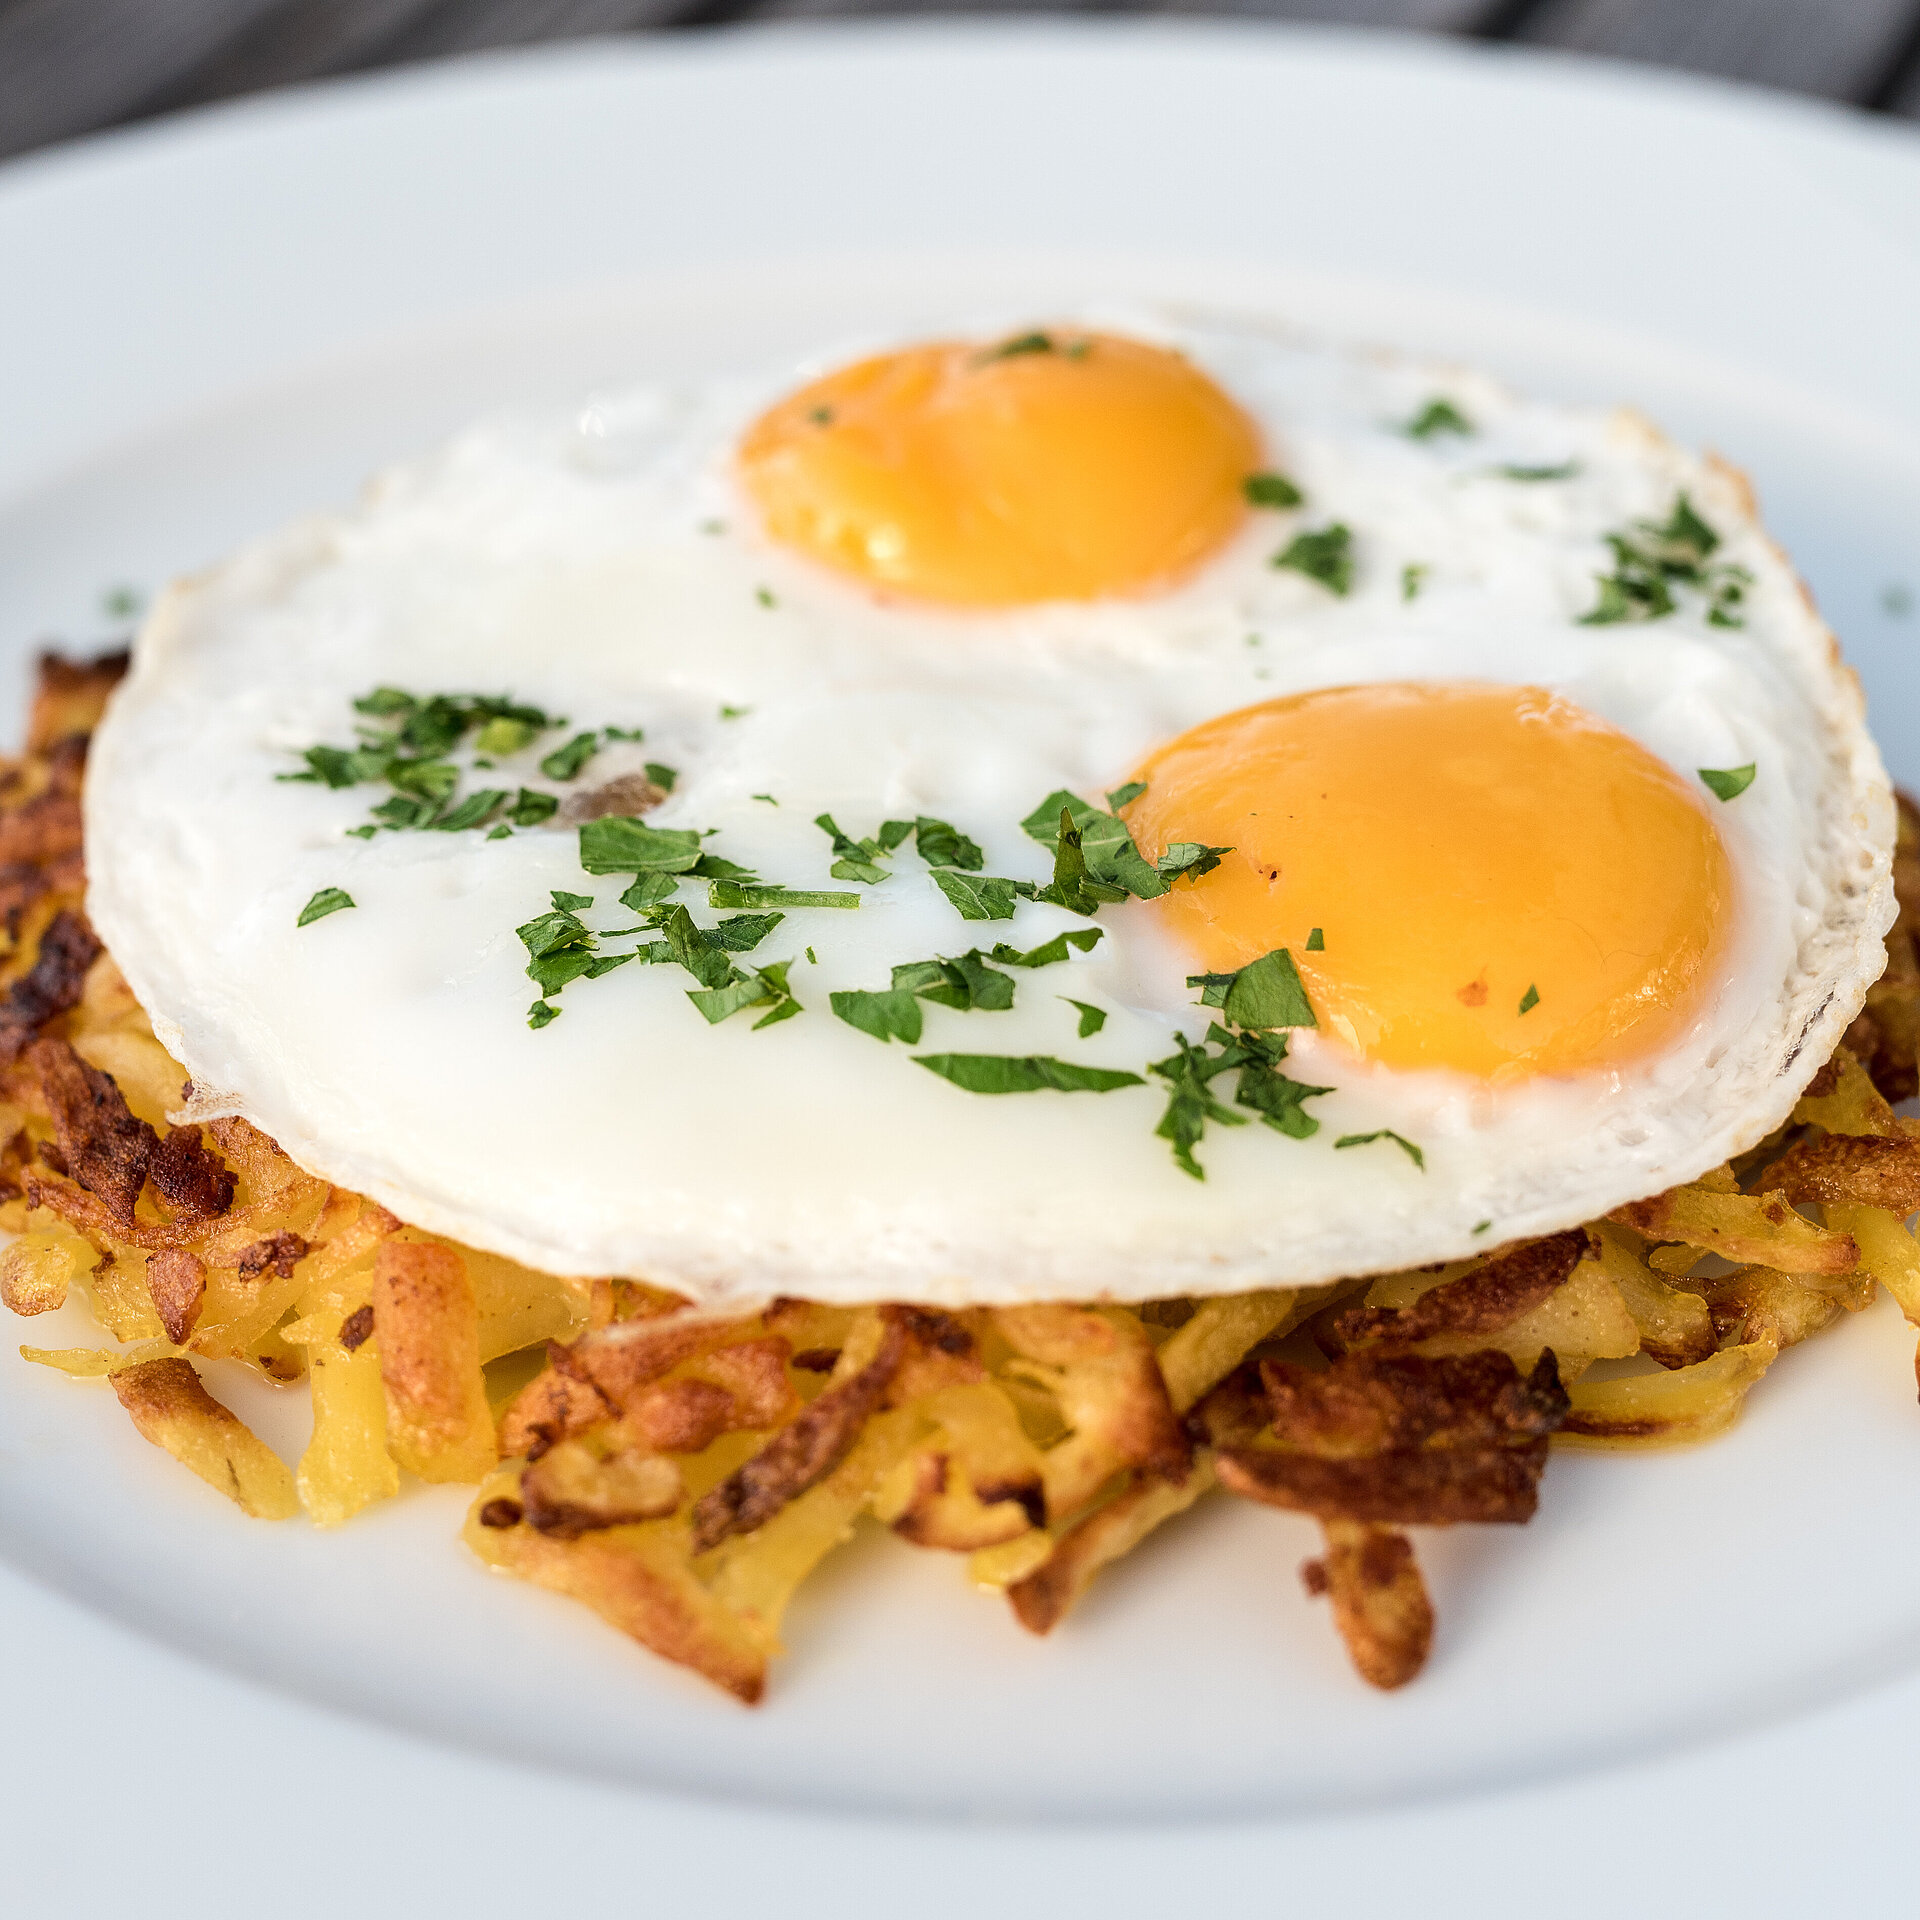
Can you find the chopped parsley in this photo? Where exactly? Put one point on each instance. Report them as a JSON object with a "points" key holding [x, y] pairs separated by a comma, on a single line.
{"points": [[1265, 993], [1482, 1226], [1412, 577], [122, 602], [1022, 1073], [1316, 941], [762, 987], [1271, 490], [854, 859], [1405, 1145], [734, 713], [982, 896], [619, 844], [1095, 858], [766, 799], [892, 1015], [966, 983], [1438, 416], [765, 596], [1125, 796], [736, 893], [405, 742], [1092, 1019], [474, 811], [1728, 783], [1325, 556], [541, 1013], [1564, 471], [1260, 1000], [938, 842], [327, 900], [665, 777], [1530, 999], [1651, 560], [1024, 343], [1051, 952], [566, 763]]}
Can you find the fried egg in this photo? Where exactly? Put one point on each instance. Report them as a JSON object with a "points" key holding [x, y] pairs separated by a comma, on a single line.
{"points": [[1469, 826]]}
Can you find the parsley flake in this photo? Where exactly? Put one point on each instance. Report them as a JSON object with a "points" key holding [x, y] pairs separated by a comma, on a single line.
{"points": [[892, 1015], [1530, 999], [619, 844], [1405, 1145], [1125, 796], [122, 603], [1271, 490], [566, 763], [1651, 560], [664, 777], [1018, 345], [1728, 783], [1265, 993], [530, 808], [765, 596], [734, 713], [982, 896], [1438, 416], [1316, 941], [1564, 471], [1092, 1019], [1023, 1073], [767, 799], [1412, 577], [854, 859], [1325, 556], [541, 1014], [734, 893], [1051, 952], [1482, 1226], [327, 900]]}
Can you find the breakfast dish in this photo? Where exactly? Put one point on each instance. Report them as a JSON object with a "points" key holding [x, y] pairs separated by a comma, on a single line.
{"points": [[1110, 912]]}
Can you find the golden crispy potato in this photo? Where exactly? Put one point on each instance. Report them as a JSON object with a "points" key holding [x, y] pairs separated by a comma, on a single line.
{"points": [[170, 1407], [438, 1422]]}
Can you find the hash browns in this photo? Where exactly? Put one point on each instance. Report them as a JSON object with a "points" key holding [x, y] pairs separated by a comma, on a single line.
{"points": [[682, 1476]]}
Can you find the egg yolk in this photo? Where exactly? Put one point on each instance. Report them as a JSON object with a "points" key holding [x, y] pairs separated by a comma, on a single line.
{"points": [[1052, 466], [1502, 883]]}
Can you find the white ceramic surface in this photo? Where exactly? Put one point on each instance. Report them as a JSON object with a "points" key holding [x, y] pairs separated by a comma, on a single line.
{"points": [[210, 326]]}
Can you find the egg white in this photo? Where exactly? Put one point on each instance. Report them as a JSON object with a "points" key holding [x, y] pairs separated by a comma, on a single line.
{"points": [[602, 567]]}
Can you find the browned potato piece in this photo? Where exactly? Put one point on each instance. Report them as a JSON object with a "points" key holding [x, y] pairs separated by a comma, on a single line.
{"points": [[438, 1422], [1379, 1600], [636, 1578], [173, 1410]]}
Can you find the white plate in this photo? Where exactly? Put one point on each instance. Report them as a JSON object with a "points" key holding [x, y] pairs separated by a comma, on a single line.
{"points": [[215, 324]]}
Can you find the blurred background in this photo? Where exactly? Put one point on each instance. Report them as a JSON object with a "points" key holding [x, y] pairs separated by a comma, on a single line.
{"points": [[68, 67]]}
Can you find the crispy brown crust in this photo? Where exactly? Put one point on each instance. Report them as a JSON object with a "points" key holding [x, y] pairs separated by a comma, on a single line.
{"points": [[1491, 1484], [356, 1329], [554, 1406], [194, 1181], [1482, 1302], [1373, 1402], [52, 985], [805, 1452], [70, 695], [177, 1280], [1866, 1169], [279, 1252], [105, 1149], [1045, 1597]]}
